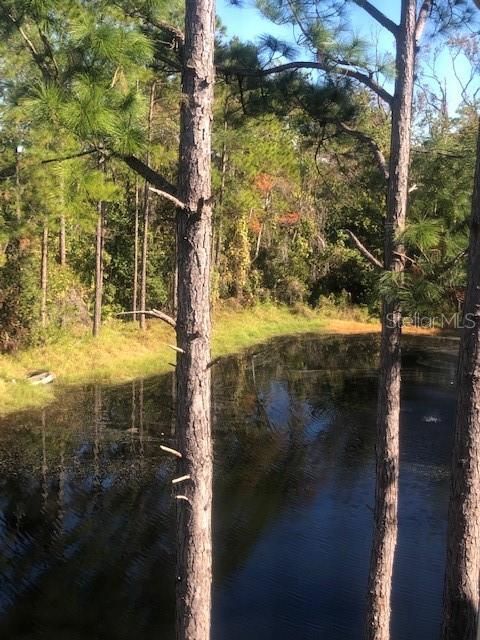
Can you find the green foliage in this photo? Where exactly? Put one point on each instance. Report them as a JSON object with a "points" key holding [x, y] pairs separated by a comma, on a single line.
{"points": [[289, 181], [423, 235], [19, 300]]}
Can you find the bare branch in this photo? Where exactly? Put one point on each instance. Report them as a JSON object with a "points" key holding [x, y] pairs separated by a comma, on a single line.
{"points": [[49, 50], [404, 256], [37, 57], [161, 25], [464, 82], [27, 41], [154, 313], [378, 15], [364, 251], [174, 452], [333, 67], [163, 316], [301, 26], [215, 361], [175, 348], [423, 16], [370, 142], [178, 203]]}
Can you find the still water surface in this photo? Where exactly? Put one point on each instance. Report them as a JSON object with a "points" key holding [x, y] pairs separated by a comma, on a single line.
{"points": [[87, 534]]}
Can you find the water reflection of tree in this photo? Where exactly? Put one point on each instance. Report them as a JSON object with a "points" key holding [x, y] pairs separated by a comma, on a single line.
{"points": [[279, 467], [86, 578], [111, 561]]}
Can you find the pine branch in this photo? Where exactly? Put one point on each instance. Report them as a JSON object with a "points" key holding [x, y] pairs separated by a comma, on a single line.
{"points": [[151, 176], [364, 251], [339, 68], [72, 156], [161, 185], [9, 171], [378, 15]]}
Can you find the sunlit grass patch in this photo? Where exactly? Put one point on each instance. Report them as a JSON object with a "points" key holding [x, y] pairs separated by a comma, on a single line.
{"points": [[122, 352]]}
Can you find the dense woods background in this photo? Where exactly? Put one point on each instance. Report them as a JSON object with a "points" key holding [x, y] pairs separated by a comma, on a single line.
{"points": [[85, 87]]}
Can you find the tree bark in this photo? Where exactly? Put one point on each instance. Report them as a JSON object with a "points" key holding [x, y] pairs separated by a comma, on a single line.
{"points": [[44, 276], [97, 313], [143, 291], [18, 186], [217, 243], [135, 253], [175, 278], [62, 243], [388, 412], [194, 230], [146, 216], [462, 593]]}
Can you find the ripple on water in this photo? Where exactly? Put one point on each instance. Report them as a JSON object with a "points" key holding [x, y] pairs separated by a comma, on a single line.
{"points": [[87, 537]]}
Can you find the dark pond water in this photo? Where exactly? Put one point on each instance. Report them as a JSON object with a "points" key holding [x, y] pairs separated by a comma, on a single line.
{"points": [[86, 511]]}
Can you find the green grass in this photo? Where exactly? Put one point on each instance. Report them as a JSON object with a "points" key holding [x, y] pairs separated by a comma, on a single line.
{"points": [[122, 352]]}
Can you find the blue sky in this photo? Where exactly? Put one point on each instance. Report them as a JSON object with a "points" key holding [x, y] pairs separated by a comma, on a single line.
{"points": [[247, 24]]}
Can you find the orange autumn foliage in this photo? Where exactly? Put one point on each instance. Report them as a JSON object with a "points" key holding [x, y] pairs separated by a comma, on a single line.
{"points": [[289, 219], [264, 182], [254, 225]]}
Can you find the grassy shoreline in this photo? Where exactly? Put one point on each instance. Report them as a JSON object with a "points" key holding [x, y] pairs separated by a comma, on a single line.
{"points": [[123, 352]]}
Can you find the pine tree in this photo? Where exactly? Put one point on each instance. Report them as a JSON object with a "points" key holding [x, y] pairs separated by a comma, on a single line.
{"points": [[461, 616], [348, 61]]}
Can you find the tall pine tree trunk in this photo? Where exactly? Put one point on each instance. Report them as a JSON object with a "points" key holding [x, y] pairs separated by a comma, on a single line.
{"points": [[62, 243], [146, 216], [135, 252], [388, 412], [143, 290], [221, 197], [99, 241], [18, 186], [44, 276], [194, 230], [462, 593]]}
